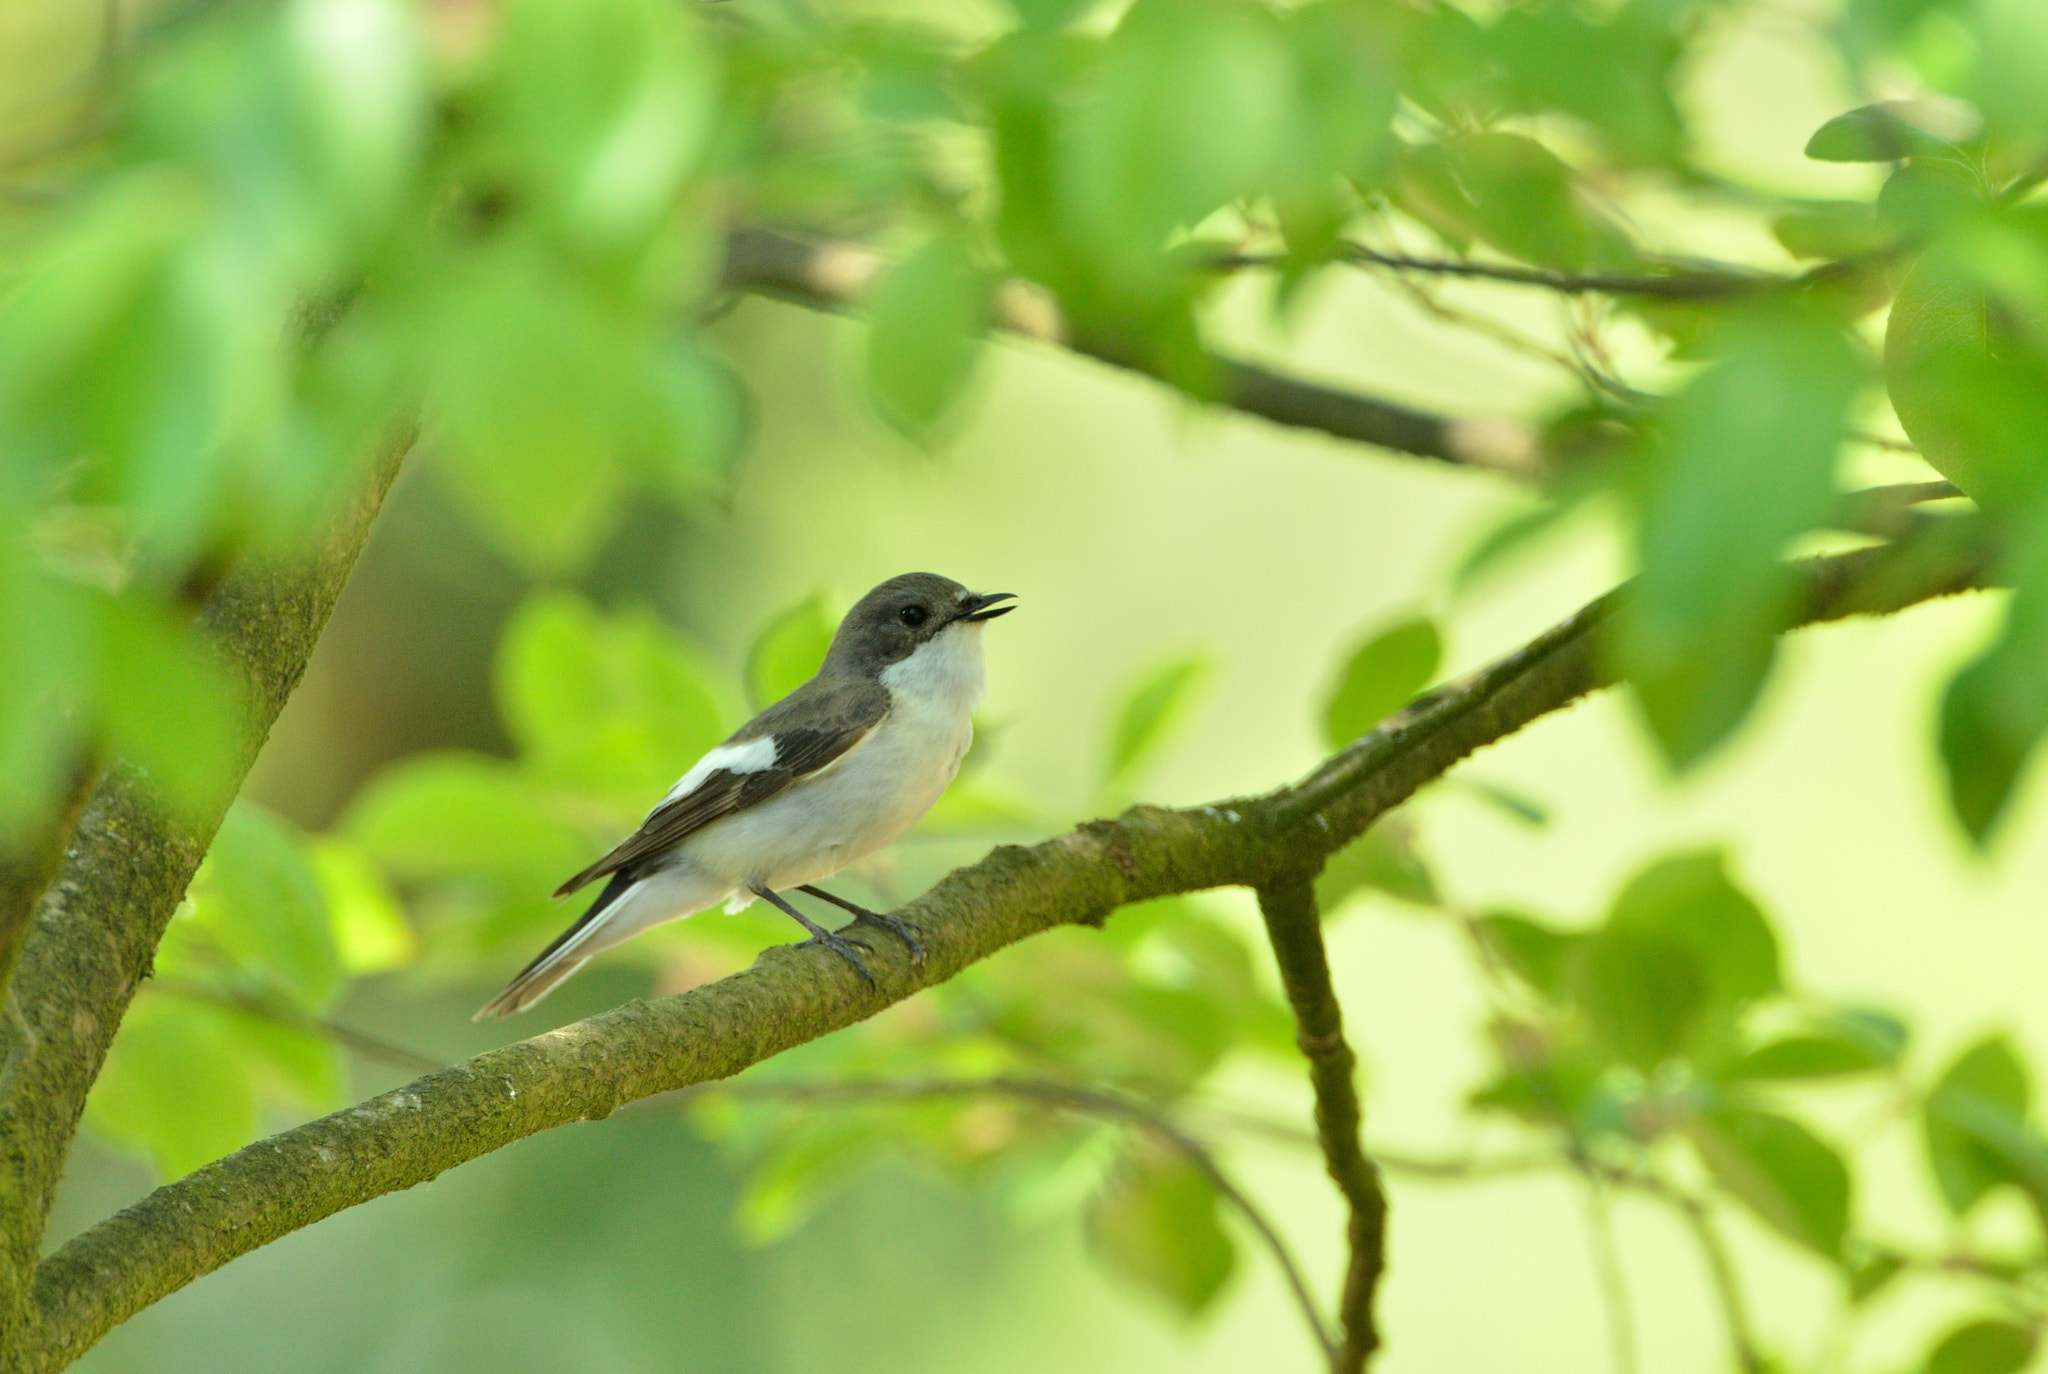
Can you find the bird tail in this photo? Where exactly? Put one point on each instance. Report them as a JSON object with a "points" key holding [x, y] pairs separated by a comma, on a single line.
{"points": [[571, 950]]}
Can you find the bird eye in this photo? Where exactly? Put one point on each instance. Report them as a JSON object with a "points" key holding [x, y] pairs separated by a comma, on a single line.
{"points": [[913, 616]]}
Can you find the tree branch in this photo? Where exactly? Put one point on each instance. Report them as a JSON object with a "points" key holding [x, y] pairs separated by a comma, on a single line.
{"points": [[97, 927], [587, 1070], [1294, 926], [835, 276]]}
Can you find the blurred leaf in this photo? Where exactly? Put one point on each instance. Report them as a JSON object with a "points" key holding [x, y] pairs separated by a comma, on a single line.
{"points": [[438, 814], [1805, 1056], [788, 651], [1193, 103], [1151, 708], [1615, 74], [1983, 1347], [258, 894], [1510, 191], [1870, 1274], [1683, 950], [303, 1064], [802, 1169], [365, 920], [1822, 230], [924, 333], [357, 75], [1380, 677], [1968, 389], [45, 641], [1746, 464], [614, 703], [1155, 1224], [1536, 953], [1384, 859], [173, 1086], [1976, 1127], [1888, 131], [166, 703], [1996, 709], [1782, 1171], [607, 104]]}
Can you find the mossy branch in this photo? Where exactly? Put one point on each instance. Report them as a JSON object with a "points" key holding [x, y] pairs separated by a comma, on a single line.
{"points": [[96, 927], [587, 1070]]}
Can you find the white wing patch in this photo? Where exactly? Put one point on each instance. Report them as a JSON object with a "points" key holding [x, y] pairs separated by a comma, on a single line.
{"points": [[751, 757]]}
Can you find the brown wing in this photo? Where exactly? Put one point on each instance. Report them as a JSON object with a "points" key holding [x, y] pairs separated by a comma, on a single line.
{"points": [[813, 728]]}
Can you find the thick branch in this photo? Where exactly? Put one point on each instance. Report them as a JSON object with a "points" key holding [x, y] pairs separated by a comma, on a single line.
{"points": [[587, 1070], [835, 276], [98, 925], [1295, 928]]}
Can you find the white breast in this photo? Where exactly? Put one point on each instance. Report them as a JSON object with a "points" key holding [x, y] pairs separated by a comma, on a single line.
{"points": [[873, 795]]}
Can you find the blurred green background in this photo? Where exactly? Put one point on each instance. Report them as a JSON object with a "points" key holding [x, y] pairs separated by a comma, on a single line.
{"points": [[1137, 530]]}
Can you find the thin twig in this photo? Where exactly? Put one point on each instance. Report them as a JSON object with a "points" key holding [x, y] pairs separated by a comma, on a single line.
{"points": [[1066, 1097], [1621, 1323], [1294, 929]]}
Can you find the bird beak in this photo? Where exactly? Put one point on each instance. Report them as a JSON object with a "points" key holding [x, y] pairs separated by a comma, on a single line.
{"points": [[984, 607]]}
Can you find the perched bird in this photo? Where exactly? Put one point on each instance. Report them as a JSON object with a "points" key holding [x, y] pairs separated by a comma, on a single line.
{"points": [[833, 772]]}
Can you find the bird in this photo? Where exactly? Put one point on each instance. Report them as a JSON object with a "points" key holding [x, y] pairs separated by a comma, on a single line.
{"points": [[835, 771]]}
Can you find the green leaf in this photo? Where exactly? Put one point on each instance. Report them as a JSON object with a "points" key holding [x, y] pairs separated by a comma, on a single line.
{"points": [[1870, 1274], [1976, 1128], [799, 1172], [1538, 954], [1156, 1225], [438, 814], [614, 703], [1690, 898], [1983, 1347], [788, 651], [1682, 952], [166, 703], [1384, 859], [1829, 230], [1996, 709], [1194, 101], [607, 105], [1747, 463], [1380, 677], [1782, 1171], [173, 1086], [1150, 710], [368, 926], [1889, 131], [258, 894], [45, 638], [1970, 388], [1805, 1056], [1510, 191], [1615, 75], [302, 1064], [925, 323]]}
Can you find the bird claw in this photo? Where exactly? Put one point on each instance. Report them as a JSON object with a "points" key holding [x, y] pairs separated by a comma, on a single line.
{"points": [[843, 947], [902, 930]]}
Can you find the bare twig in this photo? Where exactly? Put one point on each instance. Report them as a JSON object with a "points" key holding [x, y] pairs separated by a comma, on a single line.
{"points": [[1294, 928], [1621, 1324], [836, 276]]}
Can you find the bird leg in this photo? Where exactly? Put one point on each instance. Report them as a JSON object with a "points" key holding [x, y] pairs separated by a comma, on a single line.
{"points": [[838, 944], [902, 930]]}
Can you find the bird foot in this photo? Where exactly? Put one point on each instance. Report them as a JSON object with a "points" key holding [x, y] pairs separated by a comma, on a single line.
{"points": [[902, 930], [843, 947]]}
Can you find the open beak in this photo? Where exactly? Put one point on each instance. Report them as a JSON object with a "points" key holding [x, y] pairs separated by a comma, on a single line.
{"points": [[984, 607]]}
